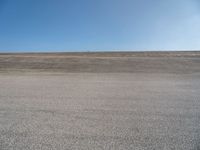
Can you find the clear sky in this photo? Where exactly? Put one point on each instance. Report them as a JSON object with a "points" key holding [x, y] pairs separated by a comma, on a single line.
{"points": [[76, 25]]}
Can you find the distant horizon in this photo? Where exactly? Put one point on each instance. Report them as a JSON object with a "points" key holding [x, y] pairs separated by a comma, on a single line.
{"points": [[98, 51]]}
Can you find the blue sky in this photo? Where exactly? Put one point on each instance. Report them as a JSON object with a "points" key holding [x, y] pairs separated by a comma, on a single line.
{"points": [[91, 25]]}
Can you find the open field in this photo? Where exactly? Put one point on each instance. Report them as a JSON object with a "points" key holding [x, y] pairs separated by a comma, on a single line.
{"points": [[100, 101], [140, 62]]}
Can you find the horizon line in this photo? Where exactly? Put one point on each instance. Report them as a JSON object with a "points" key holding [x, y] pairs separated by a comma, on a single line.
{"points": [[95, 51]]}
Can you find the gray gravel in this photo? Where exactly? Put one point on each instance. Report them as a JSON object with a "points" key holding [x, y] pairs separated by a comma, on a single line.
{"points": [[121, 101], [100, 111]]}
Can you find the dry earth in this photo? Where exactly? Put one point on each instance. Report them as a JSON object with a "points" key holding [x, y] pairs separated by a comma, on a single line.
{"points": [[100, 101]]}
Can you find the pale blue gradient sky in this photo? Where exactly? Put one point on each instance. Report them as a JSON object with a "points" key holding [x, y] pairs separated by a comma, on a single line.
{"points": [[87, 25]]}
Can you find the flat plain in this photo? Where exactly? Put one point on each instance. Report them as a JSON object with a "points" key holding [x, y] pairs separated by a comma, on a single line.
{"points": [[100, 101]]}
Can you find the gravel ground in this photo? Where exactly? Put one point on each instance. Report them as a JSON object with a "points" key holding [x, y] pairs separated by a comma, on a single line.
{"points": [[100, 111]]}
